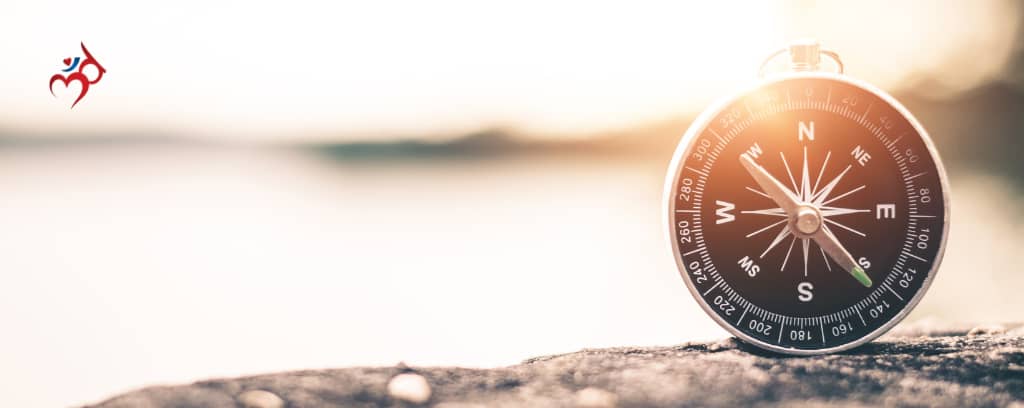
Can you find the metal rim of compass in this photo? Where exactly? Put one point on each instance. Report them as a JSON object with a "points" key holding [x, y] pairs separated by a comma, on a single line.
{"points": [[701, 123]]}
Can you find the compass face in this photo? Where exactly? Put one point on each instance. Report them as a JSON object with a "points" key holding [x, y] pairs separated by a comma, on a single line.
{"points": [[808, 215]]}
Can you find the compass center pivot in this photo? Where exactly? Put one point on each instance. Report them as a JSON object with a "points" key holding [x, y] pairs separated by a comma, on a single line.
{"points": [[808, 219]]}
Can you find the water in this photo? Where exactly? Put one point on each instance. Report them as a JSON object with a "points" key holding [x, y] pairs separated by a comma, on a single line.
{"points": [[131, 266]]}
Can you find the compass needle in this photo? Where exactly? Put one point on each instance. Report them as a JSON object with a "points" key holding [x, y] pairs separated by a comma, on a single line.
{"points": [[778, 192], [831, 245], [852, 182]]}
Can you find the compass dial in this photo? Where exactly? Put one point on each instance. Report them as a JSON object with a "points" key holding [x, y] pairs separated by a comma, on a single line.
{"points": [[808, 215]]}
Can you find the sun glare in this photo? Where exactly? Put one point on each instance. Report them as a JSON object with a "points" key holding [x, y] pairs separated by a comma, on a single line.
{"points": [[362, 70]]}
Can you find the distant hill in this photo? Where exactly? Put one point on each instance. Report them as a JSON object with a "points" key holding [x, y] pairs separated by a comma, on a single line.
{"points": [[982, 128]]}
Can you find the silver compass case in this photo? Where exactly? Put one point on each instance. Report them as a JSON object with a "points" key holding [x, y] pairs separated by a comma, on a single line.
{"points": [[764, 306]]}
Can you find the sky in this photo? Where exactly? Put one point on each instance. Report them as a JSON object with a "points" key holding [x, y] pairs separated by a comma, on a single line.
{"points": [[339, 71]]}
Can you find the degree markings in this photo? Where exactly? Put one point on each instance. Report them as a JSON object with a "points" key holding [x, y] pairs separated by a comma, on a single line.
{"points": [[713, 287], [897, 139], [697, 171], [894, 292], [720, 139], [865, 116], [916, 257], [699, 248]]}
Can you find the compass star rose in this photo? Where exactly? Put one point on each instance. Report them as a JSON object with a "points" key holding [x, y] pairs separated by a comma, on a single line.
{"points": [[806, 213]]}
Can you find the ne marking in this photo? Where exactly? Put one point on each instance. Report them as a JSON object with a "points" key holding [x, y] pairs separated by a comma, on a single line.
{"points": [[744, 314], [781, 327], [822, 332], [861, 318], [921, 216], [712, 288], [687, 211], [700, 248], [917, 175]]}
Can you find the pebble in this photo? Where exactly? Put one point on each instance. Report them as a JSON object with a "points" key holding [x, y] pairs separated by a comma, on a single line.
{"points": [[592, 397], [989, 330], [409, 387], [724, 344], [260, 399]]}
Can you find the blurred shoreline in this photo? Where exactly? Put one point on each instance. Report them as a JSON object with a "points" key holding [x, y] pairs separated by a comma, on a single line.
{"points": [[978, 128]]}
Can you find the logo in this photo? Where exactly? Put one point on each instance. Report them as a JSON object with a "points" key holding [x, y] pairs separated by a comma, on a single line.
{"points": [[79, 75]]}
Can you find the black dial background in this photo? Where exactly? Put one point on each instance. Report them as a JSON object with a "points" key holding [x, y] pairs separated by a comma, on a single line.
{"points": [[901, 250]]}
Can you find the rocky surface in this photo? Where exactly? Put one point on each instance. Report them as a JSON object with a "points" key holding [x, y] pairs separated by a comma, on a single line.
{"points": [[914, 366]]}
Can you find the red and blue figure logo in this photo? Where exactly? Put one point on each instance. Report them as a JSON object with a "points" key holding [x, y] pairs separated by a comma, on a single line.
{"points": [[79, 63]]}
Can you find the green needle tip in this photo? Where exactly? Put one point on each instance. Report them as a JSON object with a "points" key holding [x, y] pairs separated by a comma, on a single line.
{"points": [[861, 276]]}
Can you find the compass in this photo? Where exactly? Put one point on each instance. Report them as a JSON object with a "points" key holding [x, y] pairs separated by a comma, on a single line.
{"points": [[807, 214]]}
